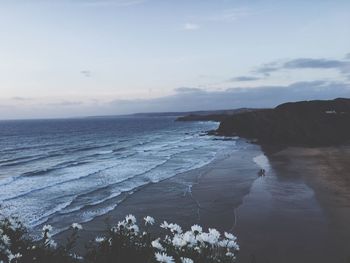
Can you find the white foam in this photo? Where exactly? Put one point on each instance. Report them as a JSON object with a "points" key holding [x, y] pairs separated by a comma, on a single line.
{"points": [[105, 152], [262, 161]]}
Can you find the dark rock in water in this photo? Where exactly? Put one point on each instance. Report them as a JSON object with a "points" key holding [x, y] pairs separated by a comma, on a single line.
{"points": [[313, 123]]}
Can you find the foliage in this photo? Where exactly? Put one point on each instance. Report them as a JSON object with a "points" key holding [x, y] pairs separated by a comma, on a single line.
{"points": [[122, 243], [17, 246]]}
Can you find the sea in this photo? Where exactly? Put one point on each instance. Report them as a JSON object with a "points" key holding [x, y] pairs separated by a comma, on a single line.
{"points": [[72, 170]]}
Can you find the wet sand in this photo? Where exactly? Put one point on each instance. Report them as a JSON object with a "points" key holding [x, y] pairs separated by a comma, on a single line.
{"points": [[327, 171], [298, 212], [280, 220]]}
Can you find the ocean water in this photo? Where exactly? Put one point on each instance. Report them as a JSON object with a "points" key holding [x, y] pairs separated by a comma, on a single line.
{"points": [[72, 170]]}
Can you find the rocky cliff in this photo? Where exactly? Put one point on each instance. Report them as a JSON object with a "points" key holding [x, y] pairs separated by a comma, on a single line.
{"points": [[300, 123]]}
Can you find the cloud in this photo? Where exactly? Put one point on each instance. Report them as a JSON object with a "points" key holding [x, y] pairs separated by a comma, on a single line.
{"points": [[92, 3], [342, 66], [187, 90], [259, 96], [191, 26], [18, 98], [347, 56], [117, 3], [244, 78], [86, 73], [313, 63], [229, 15], [65, 103], [267, 68], [184, 99]]}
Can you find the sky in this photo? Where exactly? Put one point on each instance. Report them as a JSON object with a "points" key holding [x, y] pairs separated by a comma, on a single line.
{"points": [[71, 58]]}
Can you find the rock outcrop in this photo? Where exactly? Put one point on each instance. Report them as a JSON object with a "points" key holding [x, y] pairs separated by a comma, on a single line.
{"points": [[314, 123]]}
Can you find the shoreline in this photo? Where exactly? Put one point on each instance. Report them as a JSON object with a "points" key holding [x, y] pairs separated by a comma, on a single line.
{"points": [[289, 210], [187, 198]]}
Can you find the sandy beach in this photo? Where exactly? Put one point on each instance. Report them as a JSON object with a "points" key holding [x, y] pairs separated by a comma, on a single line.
{"points": [[298, 212], [326, 170]]}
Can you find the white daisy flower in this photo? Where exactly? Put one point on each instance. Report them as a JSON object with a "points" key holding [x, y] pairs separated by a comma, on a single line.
{"points": [[196, 229], [121, 225], [75, 256], [164, 225], [77, 226], [232, 244], [164, 258], [6, 239], [175, 228], [47, 228], [230, 236], [134, 229], [99, 239], [130, 219], [214, 233], [190, 238], [223, 243], [149, 220], [178, 241], [15, 256], [207, 238], [203, 237], [186, 260], [156, 244]]}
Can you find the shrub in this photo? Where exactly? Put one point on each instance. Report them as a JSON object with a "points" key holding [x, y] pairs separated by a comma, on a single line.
{"points": [[17, 246], [124, 242]]}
